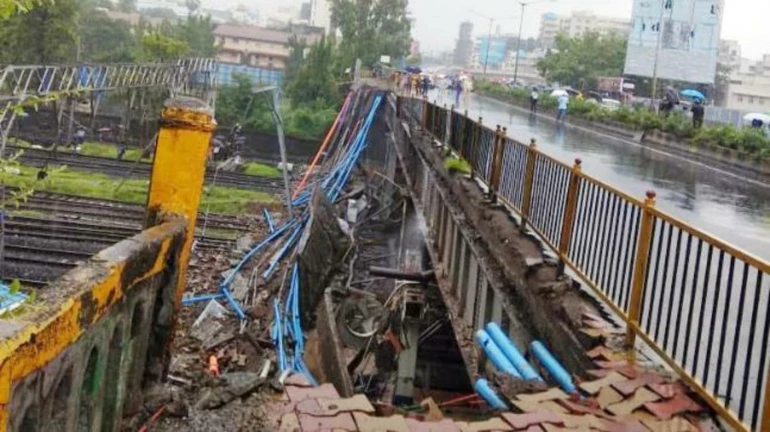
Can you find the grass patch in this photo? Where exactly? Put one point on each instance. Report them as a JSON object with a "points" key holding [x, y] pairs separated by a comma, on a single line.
{"points": [[457, 165], [109, 151], [95, 185], [261, 170]]}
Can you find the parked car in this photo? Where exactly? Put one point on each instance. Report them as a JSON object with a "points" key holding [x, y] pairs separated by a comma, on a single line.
{"points": [[611, 104]]}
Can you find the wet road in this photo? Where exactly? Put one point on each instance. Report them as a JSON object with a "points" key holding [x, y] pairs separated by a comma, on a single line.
{"points": [[733, 208]]}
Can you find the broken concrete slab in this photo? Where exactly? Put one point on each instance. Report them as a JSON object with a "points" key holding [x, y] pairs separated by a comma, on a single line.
{"points": [[234, 385]]}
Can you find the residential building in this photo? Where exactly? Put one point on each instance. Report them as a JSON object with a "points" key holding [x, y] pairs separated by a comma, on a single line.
{"points": [[730, 55], [464, 46], [321, 15], [258, 52], [579, 23], [750, 92]]}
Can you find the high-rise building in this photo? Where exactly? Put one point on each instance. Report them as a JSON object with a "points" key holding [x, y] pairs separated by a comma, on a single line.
{"points": [[579, 23], [321, 15], [464, 47]]}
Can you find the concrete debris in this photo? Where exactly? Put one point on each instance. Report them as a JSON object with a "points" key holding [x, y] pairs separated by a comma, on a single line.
{"points": [[239, 287], [233, 385], [243, 243], [213, 310]]}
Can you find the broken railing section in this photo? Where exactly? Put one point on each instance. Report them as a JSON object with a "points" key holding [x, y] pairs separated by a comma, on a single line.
{"points": [[291, 314], [656, 272], [80, 354]]}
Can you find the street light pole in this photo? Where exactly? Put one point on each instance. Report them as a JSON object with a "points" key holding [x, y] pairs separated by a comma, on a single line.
{"points": [[489, 42], [657, 52], [518, 45]]}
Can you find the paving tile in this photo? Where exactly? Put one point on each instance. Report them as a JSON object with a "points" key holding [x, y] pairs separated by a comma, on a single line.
{"points": [[676, 424], [611, 364], [596, 324], [528, 407], [550, 394], [367, 423], [297, 380], [554, 428], [641, 397], [666, 409], [445, 425], [582, 421], [579, 408], [591, 316], [289, 423], [626, 424], [307, 406], [359, 402], [493, 424], [298, 394], [535, 428], [595, 333], [629, 371], [593, 387], [343, 422], [523, 421], [627, 388], [608, 396], [668, 390], [597, 351], [599, 373]]}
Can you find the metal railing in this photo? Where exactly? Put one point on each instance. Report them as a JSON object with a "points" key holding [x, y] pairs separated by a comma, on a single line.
{"points": [[700, 303]]}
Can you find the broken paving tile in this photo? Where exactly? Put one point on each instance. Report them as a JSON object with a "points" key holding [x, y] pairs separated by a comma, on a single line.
{"points": [[677, 424], [596, 351], [668, 390], [297, 380], [625, 424], [627, 388], [289, 423], [445, 425], [550, 394], [593, 387], [579, 408], [522, 421], [298, 394], [599, 373], [367, 423], [666, 409], [587, 421], [343, 421], [332, 406], [641, 397], [553, 428], [608, 396], [611, 364], [493, 424], [528, 407]]}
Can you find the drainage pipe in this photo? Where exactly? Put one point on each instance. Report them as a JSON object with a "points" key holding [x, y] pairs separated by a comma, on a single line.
{"points": [[554, 368], [511, 352], [495, 354], [486, 391]]}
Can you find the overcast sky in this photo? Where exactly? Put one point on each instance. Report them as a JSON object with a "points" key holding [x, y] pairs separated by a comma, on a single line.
{"points": [[437, 21]]}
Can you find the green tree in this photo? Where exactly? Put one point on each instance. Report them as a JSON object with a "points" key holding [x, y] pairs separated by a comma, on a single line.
{"points": [[9, 8], [45, 34], [314, 82], [297, 49], [160, 13], [156, 47], [198, 33], [371, 28], [103, 40], [579, 61]]}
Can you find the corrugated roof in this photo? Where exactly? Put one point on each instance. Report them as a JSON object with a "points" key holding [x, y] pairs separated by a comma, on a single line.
{"points": [[261, 33]]}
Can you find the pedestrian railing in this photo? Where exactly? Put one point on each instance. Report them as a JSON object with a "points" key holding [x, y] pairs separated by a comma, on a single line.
{"points": [[700, 303]]}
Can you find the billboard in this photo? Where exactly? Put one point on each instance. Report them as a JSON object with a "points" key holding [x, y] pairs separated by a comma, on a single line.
{"points": [[498, 50], [689, 33]]}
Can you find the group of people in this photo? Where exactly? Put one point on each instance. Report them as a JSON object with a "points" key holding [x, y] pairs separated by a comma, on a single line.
{"points": [[411, 84], [416, 84], [561, 109]]}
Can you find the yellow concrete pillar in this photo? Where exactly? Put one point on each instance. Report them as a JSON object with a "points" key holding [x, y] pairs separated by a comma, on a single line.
{"points": [[179, 170]]}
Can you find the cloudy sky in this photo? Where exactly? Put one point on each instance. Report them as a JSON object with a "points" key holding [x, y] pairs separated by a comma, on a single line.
{"points": [[437, 21]]}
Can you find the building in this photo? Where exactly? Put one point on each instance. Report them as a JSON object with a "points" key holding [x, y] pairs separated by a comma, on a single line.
{"points": [[464, 47], [730, 55], [258, 52], [579, 23], [749, 92], [321, 15]]}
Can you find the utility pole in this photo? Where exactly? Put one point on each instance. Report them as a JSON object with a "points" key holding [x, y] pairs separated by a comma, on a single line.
{"points": [[657, 54], [518, 43], [489, 42]]}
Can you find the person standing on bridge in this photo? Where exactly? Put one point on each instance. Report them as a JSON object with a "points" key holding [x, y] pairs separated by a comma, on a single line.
{"points": [[561, 112], [533, 99]]}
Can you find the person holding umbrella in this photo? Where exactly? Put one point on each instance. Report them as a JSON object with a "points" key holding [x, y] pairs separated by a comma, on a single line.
{"points": [[698, 112]]}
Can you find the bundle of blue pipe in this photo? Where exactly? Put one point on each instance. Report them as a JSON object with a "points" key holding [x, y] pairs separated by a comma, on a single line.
{"points": [[507, 358], [286, 326]]}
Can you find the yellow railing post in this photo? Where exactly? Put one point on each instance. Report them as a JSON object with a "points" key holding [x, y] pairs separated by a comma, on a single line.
{"points": [[178, 172], [643, 244], [497, 163], [570, 209], [529, 175], [766, 407]]}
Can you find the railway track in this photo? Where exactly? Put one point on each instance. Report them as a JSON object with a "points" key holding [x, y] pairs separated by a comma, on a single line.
{"points": [[140, 170]]}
